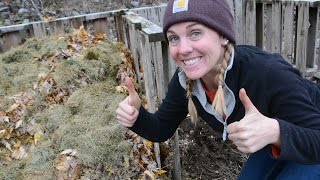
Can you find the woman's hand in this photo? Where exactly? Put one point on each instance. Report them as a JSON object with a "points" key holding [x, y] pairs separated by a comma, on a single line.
{"points": [[128, 110], [254, 131]]}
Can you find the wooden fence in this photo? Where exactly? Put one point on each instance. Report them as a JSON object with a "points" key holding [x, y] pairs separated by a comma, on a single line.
{"points": [[289, 28], [103, 22], [285, 27]]}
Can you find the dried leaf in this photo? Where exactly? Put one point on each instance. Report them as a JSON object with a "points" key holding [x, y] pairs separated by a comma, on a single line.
{"points": [[149, 174], [62, 164], [6, 144], [4, 119], [8, 133], [13, 107], [19, 153], [121, 89], [2, 132], [48, 18], [18, 124], [70, 152], [160, 172], [37, 137], [2, 114], [16, 144], [149, 144]]}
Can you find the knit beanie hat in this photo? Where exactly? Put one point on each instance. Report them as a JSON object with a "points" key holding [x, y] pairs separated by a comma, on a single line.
{"points": [[214, 14]]}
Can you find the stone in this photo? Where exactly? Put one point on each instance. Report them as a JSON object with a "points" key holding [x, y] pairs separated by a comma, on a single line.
{"points": [[23, 11], [26, 21], [5, 15], [75, 13], [135, 3], [4, 9], [7, 22]]}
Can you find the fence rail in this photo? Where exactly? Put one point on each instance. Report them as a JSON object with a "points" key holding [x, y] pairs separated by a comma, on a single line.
{"points": [[103, 22]]}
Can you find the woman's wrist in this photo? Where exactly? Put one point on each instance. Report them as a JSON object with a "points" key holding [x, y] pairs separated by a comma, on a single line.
{"points": [[275, 133]]}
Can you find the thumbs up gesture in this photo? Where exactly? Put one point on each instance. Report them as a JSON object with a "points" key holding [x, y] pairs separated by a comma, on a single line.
{"points": [[254, 131], [128, 109]]}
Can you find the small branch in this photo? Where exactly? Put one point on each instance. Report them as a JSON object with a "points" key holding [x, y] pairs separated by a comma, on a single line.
{"points": [[39, 14], [157, 154], [41, 3]]}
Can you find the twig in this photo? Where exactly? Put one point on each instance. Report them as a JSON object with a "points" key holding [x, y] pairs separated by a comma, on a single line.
{"points": [[41, 3], [157, 154], [34, 5]]}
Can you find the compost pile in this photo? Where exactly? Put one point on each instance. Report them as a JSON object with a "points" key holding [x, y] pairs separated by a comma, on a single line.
{"points": [[58, 97]]}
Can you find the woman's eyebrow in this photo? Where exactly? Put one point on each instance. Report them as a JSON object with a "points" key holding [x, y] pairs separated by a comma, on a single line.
{"points": [[192, 24], [188, 26]]}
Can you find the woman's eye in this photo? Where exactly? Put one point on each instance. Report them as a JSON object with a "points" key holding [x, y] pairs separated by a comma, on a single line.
{"points": [[173, 39], [195, 33]]}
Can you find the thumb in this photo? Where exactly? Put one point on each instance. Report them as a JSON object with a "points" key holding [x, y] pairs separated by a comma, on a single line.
{"points": [[133, 99], [130, 87], [248, 105]]}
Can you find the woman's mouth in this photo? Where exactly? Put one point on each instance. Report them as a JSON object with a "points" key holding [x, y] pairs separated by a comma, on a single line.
{"points": [[192, 61]]}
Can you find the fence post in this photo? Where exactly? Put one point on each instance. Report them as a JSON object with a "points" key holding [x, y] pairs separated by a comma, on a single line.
{"points": [[239, 21], [39, 29], [301, 37], [149, 77], [250, 24], [312, 37], [276, 27], [134, 25], [287, 19], [56, 27], [100, 26], [119, 25]]}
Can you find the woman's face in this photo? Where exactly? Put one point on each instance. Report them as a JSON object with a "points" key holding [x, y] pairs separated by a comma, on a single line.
{"points": [[196, 48]]}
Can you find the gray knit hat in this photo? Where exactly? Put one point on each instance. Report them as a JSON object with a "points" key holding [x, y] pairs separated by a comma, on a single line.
{"points": [[214, 14]]}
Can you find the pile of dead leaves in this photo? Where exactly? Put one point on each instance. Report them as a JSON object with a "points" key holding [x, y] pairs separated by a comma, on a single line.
{"points": [[57, 101]]}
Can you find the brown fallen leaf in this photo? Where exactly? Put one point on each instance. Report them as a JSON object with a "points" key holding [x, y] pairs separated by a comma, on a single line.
{"points": [[19, 153]]}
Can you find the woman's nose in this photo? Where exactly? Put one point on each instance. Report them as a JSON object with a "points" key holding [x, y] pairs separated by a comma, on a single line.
{"points": [[185, 47]]}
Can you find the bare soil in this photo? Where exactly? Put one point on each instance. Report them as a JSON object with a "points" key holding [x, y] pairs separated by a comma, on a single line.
{"points": [[204, 155]]}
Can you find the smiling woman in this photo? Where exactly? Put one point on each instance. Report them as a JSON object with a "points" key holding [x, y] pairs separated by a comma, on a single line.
{"points": [[237, 90], [196, 49]]}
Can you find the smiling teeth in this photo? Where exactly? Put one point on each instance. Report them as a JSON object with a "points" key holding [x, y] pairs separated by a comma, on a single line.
{"points": [[191, 61]]}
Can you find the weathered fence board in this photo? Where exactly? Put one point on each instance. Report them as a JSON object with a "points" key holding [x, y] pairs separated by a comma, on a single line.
{"points": [[250, 24], [101, 26], [39, 30], [312, 37], [153, 14], [119, 25], [239, 21], [287, 19], [134, 25], [301, 37], [276, 28]]}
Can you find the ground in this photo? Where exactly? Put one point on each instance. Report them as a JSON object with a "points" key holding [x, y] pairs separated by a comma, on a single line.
{"points": [[204, 155]]}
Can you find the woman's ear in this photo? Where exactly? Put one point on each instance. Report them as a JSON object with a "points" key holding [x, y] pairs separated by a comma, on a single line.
{"points": [[224, 41]]}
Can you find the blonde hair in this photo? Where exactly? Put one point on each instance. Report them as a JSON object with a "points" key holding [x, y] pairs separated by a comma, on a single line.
{"points": [[218, 103]]}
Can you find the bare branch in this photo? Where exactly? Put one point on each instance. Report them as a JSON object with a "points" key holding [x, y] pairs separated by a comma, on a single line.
{"points": [[39, 14]]}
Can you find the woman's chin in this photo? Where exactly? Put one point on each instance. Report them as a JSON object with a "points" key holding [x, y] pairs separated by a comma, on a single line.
{"points": [[193, 76]]}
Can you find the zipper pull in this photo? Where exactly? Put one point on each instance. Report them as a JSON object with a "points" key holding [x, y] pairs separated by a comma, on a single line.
{"points": [[224, 134]]}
